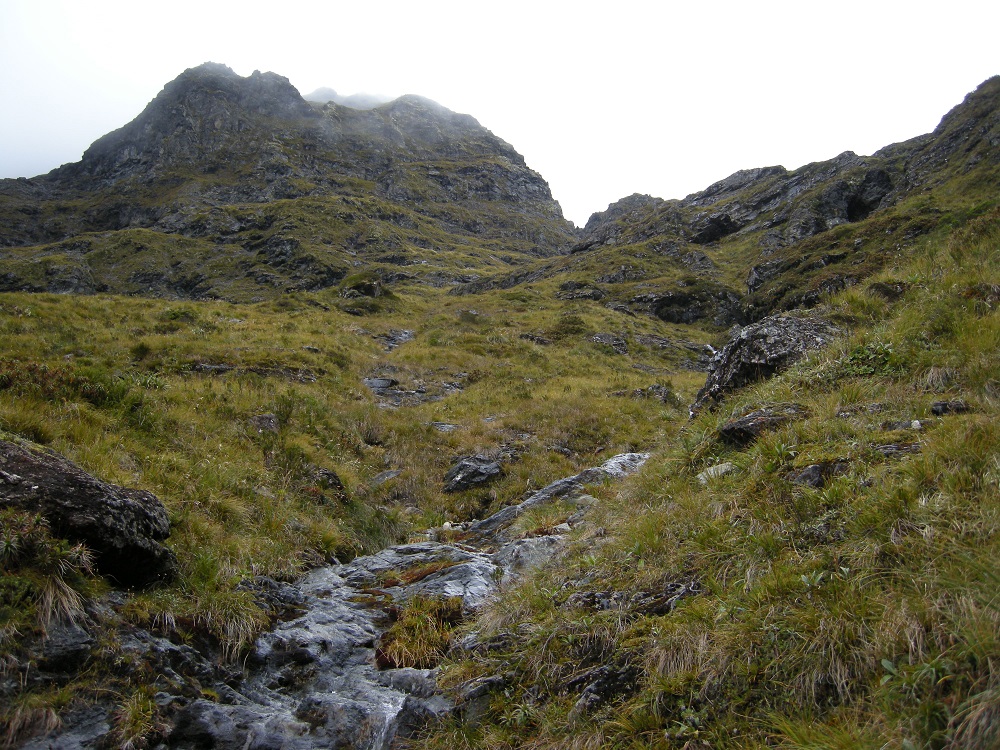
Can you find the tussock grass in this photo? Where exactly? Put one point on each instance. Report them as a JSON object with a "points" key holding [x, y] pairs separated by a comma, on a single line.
{"points": [[862, 613]]}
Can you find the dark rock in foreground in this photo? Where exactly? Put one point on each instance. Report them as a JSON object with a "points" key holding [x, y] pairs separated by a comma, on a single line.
{"points": [[762, 350], [123, 526]]}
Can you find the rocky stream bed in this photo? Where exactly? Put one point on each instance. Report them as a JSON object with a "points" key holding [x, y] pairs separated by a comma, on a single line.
{"points": [[316, 680]]}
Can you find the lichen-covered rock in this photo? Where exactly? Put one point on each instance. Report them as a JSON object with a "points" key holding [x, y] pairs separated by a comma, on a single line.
{"points": [[124, 527], [761, 350]]}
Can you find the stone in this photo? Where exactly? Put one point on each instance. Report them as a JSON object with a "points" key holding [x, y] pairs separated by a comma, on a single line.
{"points": [[123, 527], [66, 647], [616, 467], [79, 729], [475, 695], [761, 350], [941, 408], [817, 475], [895, 450], [384, 476], [713, 472], [905, 424], [744, 430], [602, 685], [265, 423], [616, 343], [469, 472]]}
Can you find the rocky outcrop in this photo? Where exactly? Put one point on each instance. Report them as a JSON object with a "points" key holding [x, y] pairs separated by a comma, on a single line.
{"points": [[615, 468], [124, 527], [695, 301], [761, 350]]}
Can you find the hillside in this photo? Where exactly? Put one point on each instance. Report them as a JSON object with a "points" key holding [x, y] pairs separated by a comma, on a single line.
{"points": [[389, 454], [237, 188]]}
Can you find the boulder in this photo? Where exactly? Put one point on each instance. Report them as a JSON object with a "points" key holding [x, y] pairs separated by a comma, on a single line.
{"points": [[124, 527], [469, 472], [761, 350], [744, 430], [817, 475]]}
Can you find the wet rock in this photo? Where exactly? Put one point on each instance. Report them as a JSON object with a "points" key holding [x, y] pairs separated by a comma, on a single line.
{"points": [[124, 527], [204, 724], [67, 646], [80, 729], [761, 350], [277, 598], [744, 430], [615, 468], [265, 423], [469, 472], [425, 569]]}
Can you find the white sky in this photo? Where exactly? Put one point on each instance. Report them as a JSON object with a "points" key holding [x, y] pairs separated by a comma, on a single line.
{"points": [[603, 99]]}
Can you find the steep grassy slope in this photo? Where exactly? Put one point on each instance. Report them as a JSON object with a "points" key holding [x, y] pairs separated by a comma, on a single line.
{"points": [[861, 612]]}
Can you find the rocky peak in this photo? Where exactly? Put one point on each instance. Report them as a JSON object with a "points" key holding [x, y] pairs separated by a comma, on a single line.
{"points": [[191, 118]]}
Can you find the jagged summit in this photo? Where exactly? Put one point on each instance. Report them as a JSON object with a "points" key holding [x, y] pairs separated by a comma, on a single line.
{"points": [[193, 116]]}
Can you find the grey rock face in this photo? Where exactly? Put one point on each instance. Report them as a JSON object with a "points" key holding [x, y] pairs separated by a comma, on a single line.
{"points": [[522, 555], [124, 527], [761, 350]]}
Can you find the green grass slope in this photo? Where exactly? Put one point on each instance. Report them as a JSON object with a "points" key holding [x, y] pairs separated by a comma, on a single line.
{"points": [[862, 613]]}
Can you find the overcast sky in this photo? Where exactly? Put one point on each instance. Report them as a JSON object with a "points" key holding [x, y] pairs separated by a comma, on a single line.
{"points": [[603, 99]]}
